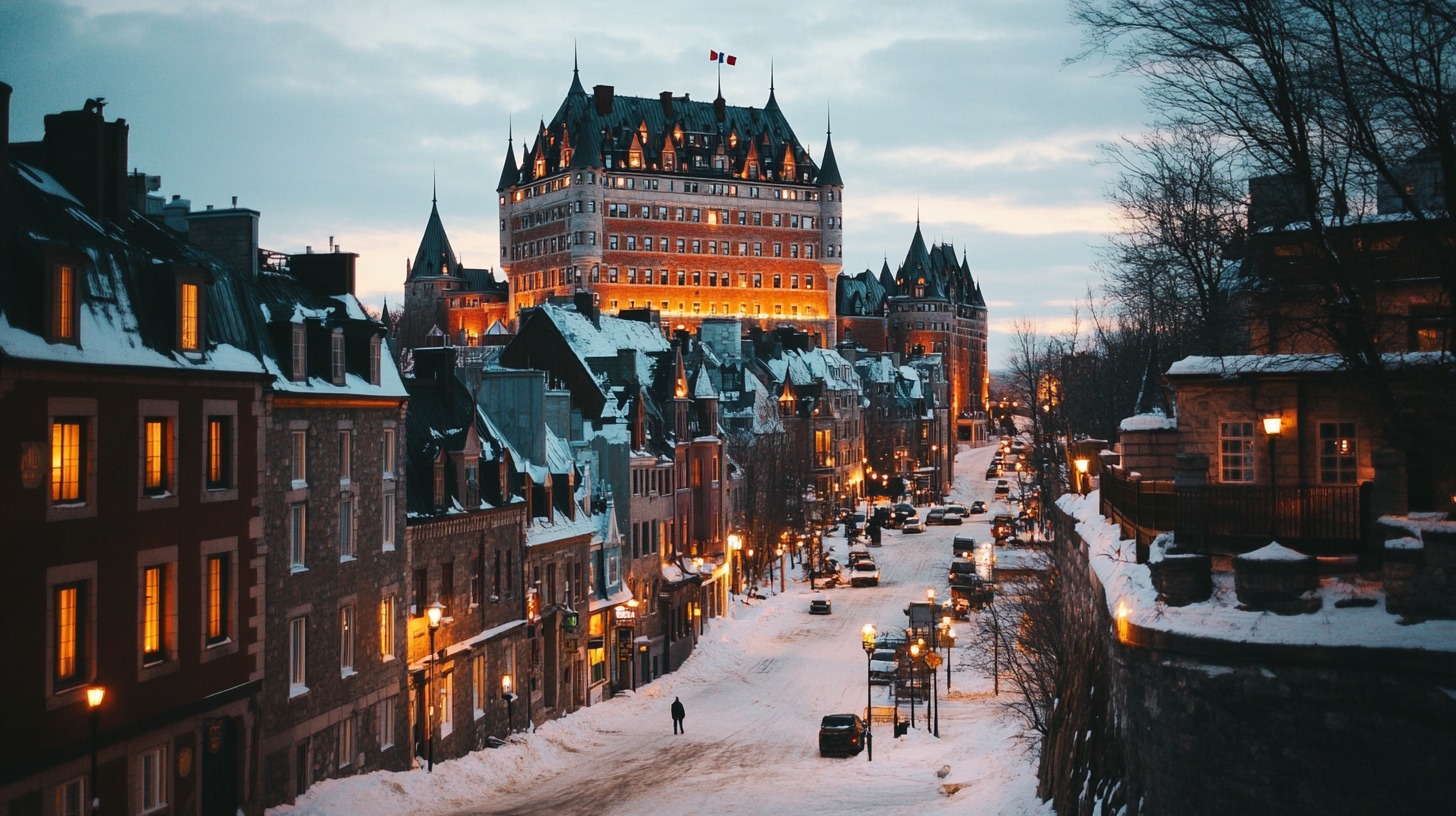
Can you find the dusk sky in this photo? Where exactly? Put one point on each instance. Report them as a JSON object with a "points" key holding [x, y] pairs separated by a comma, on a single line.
{"points": [[335, 118]]}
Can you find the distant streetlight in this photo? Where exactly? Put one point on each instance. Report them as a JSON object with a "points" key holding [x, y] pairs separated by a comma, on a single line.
{"points": [[433, 613], [783, 566], [735, 546], [914, 656], [95, 694], [868, 638]]}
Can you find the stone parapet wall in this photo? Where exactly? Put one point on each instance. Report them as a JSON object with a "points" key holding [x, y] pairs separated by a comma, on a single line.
{"points": [[1157, 723]]}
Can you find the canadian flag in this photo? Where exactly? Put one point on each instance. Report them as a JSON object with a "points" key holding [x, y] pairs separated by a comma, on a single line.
{"points": [[719, 56]]}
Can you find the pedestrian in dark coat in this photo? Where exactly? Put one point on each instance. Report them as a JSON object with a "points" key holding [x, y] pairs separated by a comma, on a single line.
{"points": [[677, 716]]}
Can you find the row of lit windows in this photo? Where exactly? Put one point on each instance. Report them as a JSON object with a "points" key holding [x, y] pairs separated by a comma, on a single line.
{"points": [[72, 454], [682, 277], [647, 243], [73, 605], [1337, 450], [65, 295], [684, 308], [694, 215], [632, 182]]}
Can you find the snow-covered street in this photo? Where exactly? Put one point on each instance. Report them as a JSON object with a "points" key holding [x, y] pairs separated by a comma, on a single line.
{"points": [[755, 690]]}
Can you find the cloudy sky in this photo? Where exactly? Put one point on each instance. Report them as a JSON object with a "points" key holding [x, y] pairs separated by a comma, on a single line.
{"points": [[332, 117]]}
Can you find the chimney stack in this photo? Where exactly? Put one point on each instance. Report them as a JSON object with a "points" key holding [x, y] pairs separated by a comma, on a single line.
{"points": [[604, 97], [666, 97], [231, 235], [87, 155]]}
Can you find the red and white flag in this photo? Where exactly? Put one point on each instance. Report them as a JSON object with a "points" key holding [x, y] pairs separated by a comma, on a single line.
{"points": [[720, 57]]}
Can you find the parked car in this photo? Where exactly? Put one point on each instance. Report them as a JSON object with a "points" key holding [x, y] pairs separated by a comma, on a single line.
{"points": [[912, 525], [841, 735], [857, 555], [883, 666], [952, 516], [935, 515], [958, 507], [978, 507], [864, 573], [1003, 490], [903, 511], [960, 569], [963, 545], [820, 605]]}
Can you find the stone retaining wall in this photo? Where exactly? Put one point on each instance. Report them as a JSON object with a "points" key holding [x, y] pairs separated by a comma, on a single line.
{"points": [[1153, 723]]}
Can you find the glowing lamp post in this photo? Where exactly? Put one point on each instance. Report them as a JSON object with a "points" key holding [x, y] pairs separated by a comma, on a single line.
{"points": [[783, 567], [433, 613], [947, 638], [95, 694], [735, 544], [868, 638], [509, 695], [1082, 484], [1273, 425]]}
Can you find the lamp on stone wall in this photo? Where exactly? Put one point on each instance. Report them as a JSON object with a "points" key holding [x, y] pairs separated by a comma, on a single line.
{"points": [[1273, 425]]}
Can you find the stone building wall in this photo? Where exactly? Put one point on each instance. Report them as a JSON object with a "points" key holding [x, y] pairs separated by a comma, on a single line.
{"points": [[1154, 723]]}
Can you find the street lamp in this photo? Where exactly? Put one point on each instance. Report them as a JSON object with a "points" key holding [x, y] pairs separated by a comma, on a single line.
{"points": [[752, 572], [510, 697], [433, 612], [1273, 424], [947, 636], [932, 713], [1082, 484], [914, 656], [783, 567], [94, 695], [868, 637]]}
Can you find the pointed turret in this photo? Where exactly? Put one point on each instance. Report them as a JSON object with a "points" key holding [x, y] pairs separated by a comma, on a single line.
{"points": [[829, 168], [510, 171], [916, 269], [435, 257]]}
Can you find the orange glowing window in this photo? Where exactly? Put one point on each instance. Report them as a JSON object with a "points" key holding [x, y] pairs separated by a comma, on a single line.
{"points": [[152, 613], [68, 632], [63, 303], [154, 468], [67, 440], [190, 335]]}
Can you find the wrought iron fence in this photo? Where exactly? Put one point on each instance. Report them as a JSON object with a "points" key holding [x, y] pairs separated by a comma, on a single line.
{"points": [[1319, 520]]}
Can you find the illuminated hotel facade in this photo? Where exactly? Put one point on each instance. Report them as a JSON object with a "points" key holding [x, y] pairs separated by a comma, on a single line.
{"points": [[686, 209]]}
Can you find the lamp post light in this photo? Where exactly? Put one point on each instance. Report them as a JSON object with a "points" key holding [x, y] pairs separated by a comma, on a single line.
{"points": [[735, 546], [752, 572], [914, 656], [868, 638], [932, 712], [433, 612], [948, 637], [783, 567], [510, 697], [95, 694], [1273, 425], [1082, 480]]}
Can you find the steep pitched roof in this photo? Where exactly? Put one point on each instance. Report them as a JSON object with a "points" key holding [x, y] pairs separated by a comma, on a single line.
{"points": [[828, 167], [435, 257]]}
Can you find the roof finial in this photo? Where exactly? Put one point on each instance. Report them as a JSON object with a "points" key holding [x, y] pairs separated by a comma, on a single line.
{"points": [[770, 76], [574, 67], [434, 187], [828, 121]]}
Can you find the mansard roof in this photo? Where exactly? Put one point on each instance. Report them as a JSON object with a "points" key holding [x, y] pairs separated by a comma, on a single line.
{"points": [[943, 275], [608, 131]]}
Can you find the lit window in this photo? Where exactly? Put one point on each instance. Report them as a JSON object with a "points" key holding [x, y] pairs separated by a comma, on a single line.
{"points": [[68, 451], [346, 641], [1337, 452], [219, 453], [346, 450], [479, 688], [70, 634], [63, 302], [156, 456], [447, 698], [217, 598], [189, 321], [386, 627], [152, 611]]}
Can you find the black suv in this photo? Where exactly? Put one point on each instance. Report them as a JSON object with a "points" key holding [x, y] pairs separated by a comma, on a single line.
{"points": [[841, 735]]}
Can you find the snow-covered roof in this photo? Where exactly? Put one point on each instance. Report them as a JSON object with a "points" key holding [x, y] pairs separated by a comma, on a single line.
{"points": [[1155, 421]]}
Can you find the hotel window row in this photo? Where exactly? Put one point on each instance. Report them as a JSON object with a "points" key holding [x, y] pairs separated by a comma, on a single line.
{"points": [[73, 608], [697, 278], [74, 469]]}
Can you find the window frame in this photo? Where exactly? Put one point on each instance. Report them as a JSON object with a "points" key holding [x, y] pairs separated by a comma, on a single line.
{"points": [[297, 656], [151, 781], [163, 414], [226, 412], [347, 637], [191, 314], [63, 303], [388, 626], [298, 536], [1239, 464], [1335, 468]]}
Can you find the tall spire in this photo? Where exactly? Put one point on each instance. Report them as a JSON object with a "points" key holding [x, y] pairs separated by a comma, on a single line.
{"points": [[510, 172], [434, 187], [828, 167], [575, 75]]}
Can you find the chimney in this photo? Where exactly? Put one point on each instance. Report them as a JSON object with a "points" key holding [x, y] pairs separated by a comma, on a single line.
{"points": [[1274, 201], [231, 235], [325, 274], [666, 97], [586, 306], [87, 155], [720, 109], [602, 95]]}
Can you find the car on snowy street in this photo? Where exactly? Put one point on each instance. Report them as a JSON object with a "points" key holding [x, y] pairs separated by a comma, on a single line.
{"points": [[841, 735], [864, 573], [883, 667], [912, 525], [978, 507], [820, 605]]}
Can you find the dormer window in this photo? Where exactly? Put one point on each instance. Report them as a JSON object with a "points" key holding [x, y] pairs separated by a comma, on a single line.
{"points": [[336, 357], [64, 305], [374, 359], [189, 317], [300, 351]]}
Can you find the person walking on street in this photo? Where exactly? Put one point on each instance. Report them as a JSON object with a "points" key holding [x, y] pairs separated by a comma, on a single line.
{"points": [[677, 716]]}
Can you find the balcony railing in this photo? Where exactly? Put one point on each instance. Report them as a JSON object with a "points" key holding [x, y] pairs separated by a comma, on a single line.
{"points": [[1318, 520]]}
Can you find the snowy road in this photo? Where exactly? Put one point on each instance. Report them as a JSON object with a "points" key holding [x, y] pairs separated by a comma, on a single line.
{"points": [[755, 690]]}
